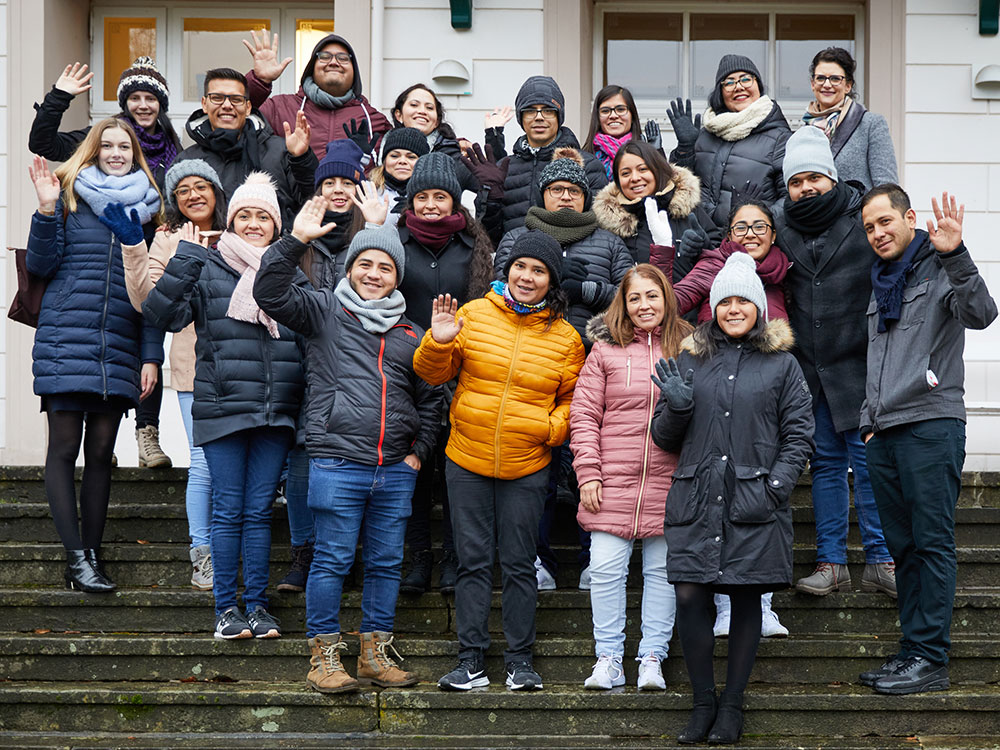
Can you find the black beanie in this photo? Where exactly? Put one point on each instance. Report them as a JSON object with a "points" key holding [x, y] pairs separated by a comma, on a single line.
{"points": [[541, 90], [434, 170], [409, 139], [540, 246], [566, 165], [729, 64]]}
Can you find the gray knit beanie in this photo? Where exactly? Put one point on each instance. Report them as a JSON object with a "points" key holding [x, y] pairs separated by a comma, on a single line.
{"points": [[566, 165], [541, 90], [738, 278], [808, 150], [729, 64], [434, 171], [188, 168], [382, 238]]}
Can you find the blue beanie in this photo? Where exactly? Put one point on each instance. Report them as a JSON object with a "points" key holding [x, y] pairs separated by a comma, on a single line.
{"points": [[342, 159]]}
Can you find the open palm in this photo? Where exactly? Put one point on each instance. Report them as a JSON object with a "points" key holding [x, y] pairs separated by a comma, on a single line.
{"points": [[444, 325]]}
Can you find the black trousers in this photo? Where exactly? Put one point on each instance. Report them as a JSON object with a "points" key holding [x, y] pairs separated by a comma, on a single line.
{"points": [[148, 411]]}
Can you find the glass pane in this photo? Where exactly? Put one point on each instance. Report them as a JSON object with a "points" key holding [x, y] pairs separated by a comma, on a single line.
{"points": [[716, 34], [799, 38], [215, 43], [642, 52], [308, 32], [124, 40]]}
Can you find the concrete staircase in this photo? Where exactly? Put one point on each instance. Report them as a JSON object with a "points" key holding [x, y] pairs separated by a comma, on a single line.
{"points": [[139, 668]]}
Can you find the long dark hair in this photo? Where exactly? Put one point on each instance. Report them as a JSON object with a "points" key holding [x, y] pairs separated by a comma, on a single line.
{"points": [[595, 119], [175, 219], [656, 161], [708, 337], [446, 130], [718, 104], [557, 303]]}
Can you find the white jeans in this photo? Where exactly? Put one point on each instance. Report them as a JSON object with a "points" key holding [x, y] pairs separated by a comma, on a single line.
{"points": [[609, 558]]}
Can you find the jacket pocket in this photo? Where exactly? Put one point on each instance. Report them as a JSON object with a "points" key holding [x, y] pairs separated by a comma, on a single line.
{"points": [[914, 307], [686, 497], [751, 502]]}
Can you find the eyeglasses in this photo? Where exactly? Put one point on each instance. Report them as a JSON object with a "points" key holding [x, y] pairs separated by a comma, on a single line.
{"points": [[834, 80], [621, 110], [199, 187], [557, 191], [342, 57], [237, 100], [743, 81], [545, 113], [758, 228]]}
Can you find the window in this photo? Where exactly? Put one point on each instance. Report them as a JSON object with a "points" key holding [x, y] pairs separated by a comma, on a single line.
{"points": [[215, 43], [716, 34], [799, 38], [308, 32], [643, 53], [125, 39]]}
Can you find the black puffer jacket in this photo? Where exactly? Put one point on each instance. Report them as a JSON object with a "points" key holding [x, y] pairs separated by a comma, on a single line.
{"points": [[364, 401], [723, 165], [243, 377], [743, 444]]}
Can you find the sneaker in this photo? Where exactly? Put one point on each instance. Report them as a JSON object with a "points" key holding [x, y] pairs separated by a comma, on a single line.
{"points": [[545, 580], [770, 625], [231, 625], [263, 623], [585, 579], [279, 494], [722, 617], [891, 665], [826, 578], [651, 673], [915, 675], [151, 455], [202, 573], [470, 673], [607, 674], [880, 577], [522, 676]]}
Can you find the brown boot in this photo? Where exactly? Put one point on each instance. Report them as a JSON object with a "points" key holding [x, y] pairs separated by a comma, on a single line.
{"points": [[327, 674], [376, 666]]}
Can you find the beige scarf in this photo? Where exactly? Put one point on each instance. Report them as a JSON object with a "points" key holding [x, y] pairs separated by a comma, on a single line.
{"points": [[827, 120], [735, 126], [244, 258]]}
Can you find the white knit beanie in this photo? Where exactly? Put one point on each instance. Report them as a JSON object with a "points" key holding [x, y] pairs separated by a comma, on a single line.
{"points": [[257, 191], [738, 278]]}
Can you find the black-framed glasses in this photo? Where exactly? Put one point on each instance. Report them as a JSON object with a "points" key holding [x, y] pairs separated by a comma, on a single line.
{"points": [[740, 228], [557, 191], [237, 100], [546, 113], [621, 110], [743, 81], [342, 57], [834, 80]]}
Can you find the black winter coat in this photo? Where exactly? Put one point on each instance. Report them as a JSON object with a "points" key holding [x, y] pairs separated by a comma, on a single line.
{"points": [[364, 401], [243, 377], [743, 444], [829, 286]]}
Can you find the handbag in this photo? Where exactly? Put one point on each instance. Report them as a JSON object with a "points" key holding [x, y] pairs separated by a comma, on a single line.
{"points": [[27, 302]]}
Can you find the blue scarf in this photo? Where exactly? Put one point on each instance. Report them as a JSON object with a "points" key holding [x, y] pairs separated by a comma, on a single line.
{"points": [[132, 190], [500, 287], [889, 280]]}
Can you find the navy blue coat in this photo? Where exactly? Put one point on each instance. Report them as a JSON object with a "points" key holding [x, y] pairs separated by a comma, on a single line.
{"points": [[89, 339], [243, 378]]}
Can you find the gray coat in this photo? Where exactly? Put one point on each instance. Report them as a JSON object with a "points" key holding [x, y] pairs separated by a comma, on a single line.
{"points": [[864, 153], [944, 295]]}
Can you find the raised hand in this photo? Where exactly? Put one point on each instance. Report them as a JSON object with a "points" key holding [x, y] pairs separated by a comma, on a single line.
{"points": [[74, 79], [444, 323], [591, 495], [947, 235], [659, 223], [189, 233], [358, 132], [264, 50], [308, 223], [685, 128], [749, 191], [499, 117], [652, 134], [678, 391], [365, 197], [47, 186], [297, 141], [126, 227], [483, 167], [693, 240]]}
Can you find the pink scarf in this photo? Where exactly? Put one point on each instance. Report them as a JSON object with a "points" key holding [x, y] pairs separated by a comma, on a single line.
{"points": [[244, 258], [606, 147]]}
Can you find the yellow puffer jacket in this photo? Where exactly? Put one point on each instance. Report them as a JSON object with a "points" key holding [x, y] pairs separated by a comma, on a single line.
{"points": [[515, 385]]}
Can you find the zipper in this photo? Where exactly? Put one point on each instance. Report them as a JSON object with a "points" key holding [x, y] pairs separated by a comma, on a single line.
{"points": [[381, 371], [646, 437], [267, 372], [503, 398], [104, 320], [628, 372]]}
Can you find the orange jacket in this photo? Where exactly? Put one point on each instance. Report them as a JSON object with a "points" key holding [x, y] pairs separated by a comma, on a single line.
{"points": [[515, 385]]}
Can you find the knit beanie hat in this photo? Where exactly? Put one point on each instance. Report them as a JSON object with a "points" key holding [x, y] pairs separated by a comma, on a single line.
{"points": [[342, 159], [434, 170], [540, 246], [729, 64], [189, 168], [567, 165], [409, 139], [382, 238], [738, 278], [540, 90], [257, 191], [143, 75], [808, 150]]}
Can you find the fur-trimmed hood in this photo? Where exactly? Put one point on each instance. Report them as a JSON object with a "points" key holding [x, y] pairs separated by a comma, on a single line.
{"points": [[777, 337], [598, 331], [612, 214]]}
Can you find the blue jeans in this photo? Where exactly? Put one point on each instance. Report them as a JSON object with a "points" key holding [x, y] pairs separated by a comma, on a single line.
{"points": [[346, 497], [300, 518], [835, 451], [245, 468], [198, 495]]}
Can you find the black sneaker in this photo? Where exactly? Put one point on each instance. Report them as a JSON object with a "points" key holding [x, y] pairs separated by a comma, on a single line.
{"points": [[470, 673], [263, 623], [891, 665], [915, 675], [231, 625], [522, 676]]}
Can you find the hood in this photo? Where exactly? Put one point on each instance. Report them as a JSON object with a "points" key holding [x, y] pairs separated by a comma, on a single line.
{"points": [[778, 337], [198, 128], [610, 203], [328, 39]]}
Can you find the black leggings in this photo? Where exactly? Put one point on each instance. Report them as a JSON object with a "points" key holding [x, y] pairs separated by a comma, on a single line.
{"points": [[148, 411], [695, 619], [66, 428]]}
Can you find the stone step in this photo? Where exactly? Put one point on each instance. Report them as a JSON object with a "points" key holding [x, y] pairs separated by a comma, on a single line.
{"points": [[804, 659], [275, 706]]}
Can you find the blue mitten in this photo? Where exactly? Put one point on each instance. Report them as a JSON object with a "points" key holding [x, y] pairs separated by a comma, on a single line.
{"points": [[128, 229]]}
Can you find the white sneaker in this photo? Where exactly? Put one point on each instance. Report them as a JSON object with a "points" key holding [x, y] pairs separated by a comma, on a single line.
{"points": [[721, 628], [545, 580], [608, 673], [650, 673], [585, 579], [770, 625]]}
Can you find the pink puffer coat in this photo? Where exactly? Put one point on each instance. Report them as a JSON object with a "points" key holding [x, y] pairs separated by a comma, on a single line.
{"points": [[609, 435]]}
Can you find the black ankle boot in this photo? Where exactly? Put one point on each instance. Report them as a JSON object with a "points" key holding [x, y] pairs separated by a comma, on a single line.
{"points": [[728, 727], [449, 572], [95, 560], [701, 719], [419, 578], [82, 574]]}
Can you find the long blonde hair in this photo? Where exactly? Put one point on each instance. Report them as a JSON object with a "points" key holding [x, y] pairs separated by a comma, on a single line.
{"points": [[86, 154]]}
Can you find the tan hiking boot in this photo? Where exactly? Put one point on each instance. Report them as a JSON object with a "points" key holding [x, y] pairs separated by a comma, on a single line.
{"points": [[327, 674], [151, 455], [375, 666]]}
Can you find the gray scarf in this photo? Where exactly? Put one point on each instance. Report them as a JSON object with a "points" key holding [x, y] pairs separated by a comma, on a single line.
{"points": [[322, 99], [376, 315]]}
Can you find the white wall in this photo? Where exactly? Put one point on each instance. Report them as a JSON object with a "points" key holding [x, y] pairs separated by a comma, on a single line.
{"points": [[4, 172]]}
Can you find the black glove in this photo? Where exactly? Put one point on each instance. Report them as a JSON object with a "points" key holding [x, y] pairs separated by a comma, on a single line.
{"points": [[573, 280], [359, 134], [685, 128], [483, 167], [749, 191], [127, 228], [693, 240], [678, 391], [653, 135]]}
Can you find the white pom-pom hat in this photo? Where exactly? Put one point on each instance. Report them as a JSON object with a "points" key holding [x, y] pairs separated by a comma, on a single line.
{"points": [[257, 191]]}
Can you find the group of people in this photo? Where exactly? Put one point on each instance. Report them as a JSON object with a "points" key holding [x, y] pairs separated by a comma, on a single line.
{"points": [[384, 314]]}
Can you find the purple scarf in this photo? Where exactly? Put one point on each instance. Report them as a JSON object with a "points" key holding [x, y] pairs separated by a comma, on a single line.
{"points": [[605, 148], [157, 148]]}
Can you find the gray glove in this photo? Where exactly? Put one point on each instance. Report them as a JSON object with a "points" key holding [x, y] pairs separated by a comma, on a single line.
{"points": [[678, 391], [685, 128], [653, 135]]}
